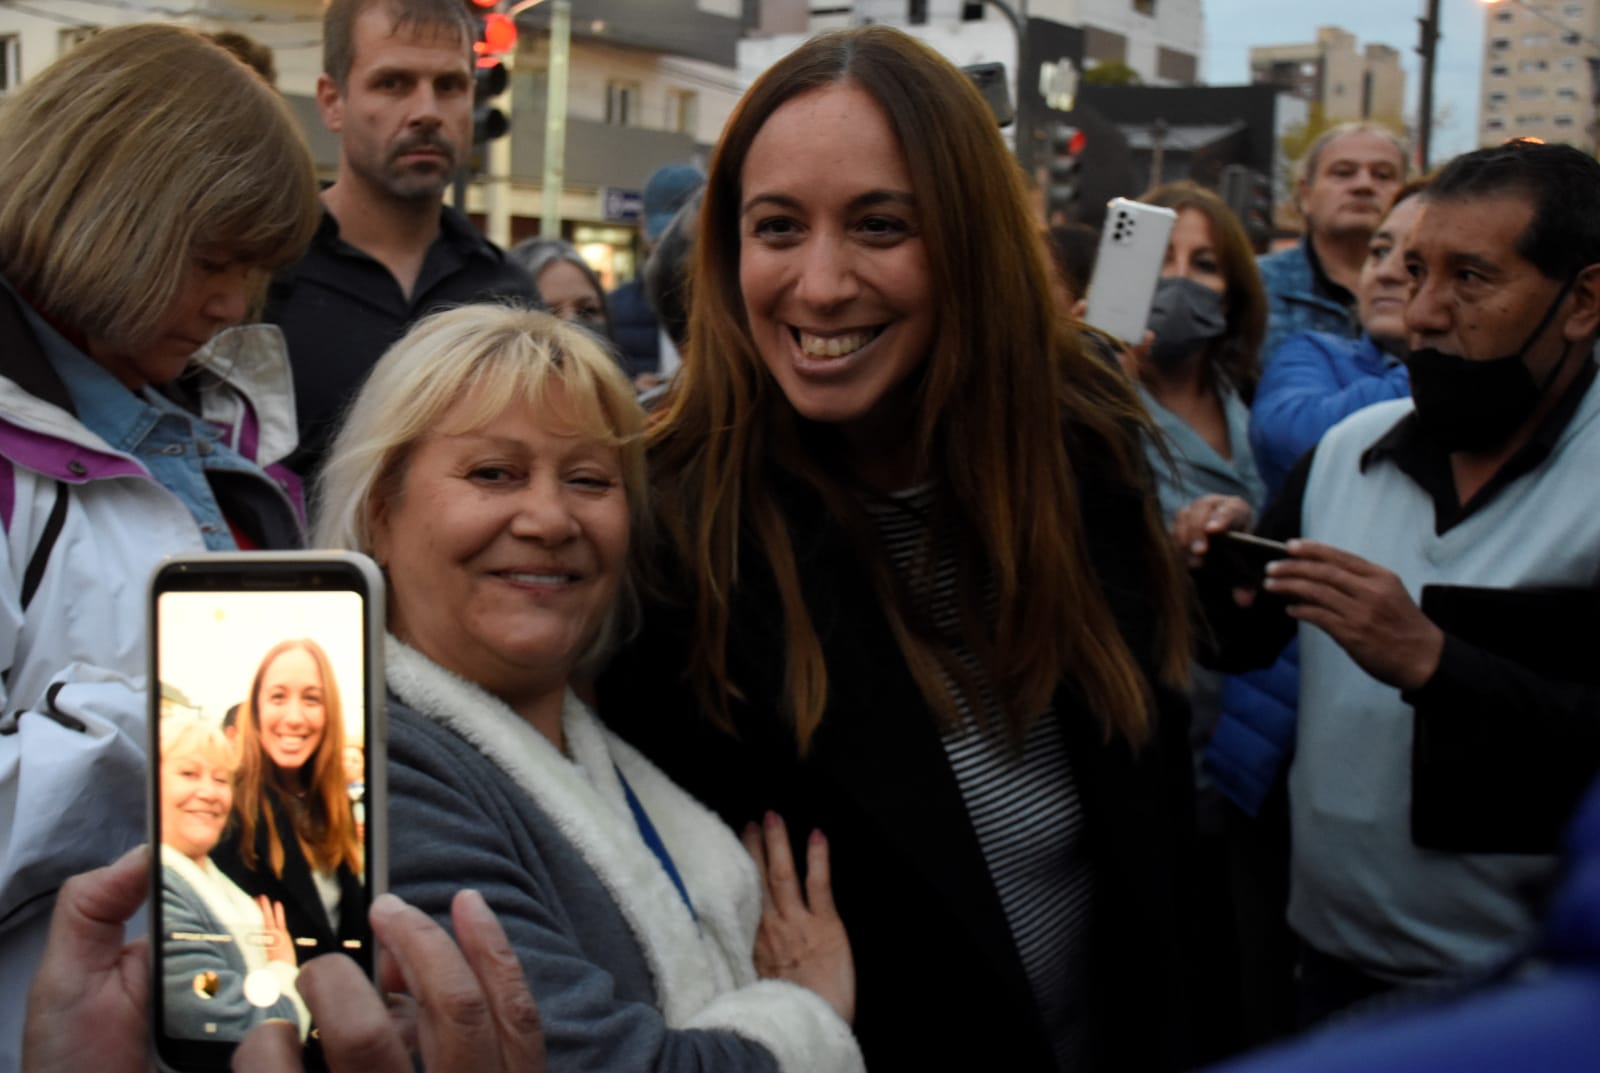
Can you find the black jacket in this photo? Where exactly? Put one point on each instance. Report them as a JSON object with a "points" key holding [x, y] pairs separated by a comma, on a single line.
{"points": [[940, 984]]}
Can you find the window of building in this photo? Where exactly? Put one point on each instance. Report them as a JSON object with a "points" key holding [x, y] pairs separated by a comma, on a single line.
{"points": [[1530, 93], [1532, 119], [1145, 7], [683, 110], [1496, 99], [1499, 70], [917, 12], [622, 103], [1529, 66], [1571, 37], [1566, 93], [1494, 123], [1537, 40], [10, 62], [1503, 15], [1573, 11], [971, 12], [1563, 121], [1500, 44], [73, 36], [1568, 64]]}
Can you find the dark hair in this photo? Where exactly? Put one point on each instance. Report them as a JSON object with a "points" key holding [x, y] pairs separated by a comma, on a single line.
{"points": [[250, 52], [1236, 356], [1560, 182], [666, 272], [1073, 248], [339, 28]]}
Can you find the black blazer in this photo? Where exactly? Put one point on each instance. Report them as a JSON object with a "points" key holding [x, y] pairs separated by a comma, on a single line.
{"points": [[940, 984], [302, 905]]}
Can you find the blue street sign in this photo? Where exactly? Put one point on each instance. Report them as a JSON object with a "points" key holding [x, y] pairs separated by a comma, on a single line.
{"points": [[624, 206]]}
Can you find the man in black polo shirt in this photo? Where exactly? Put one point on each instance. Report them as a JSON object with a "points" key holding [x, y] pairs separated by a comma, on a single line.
{"points": [[396, 88]]}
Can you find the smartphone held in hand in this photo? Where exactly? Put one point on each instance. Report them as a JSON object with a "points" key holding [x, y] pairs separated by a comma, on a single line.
{"points": [[266, 790], [1133, 246], [1243, 557]]}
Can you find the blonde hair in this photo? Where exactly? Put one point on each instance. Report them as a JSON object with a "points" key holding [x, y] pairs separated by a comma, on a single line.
{"points": [[188, 735], [131, 154], [328, 833], [484, 358], [1013, 419]]}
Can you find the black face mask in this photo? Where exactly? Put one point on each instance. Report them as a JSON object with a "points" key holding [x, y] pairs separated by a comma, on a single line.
{"points": [[1465, 405], [1185, 316]]}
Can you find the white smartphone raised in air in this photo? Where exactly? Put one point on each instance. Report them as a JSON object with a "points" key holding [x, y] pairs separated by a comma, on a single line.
{"points": [[266, 789], [1133, 246]]}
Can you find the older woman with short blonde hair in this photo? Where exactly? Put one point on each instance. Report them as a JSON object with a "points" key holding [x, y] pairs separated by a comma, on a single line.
{"points": [[493, 466]]}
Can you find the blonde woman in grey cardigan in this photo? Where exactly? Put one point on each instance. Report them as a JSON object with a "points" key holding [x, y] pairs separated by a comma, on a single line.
{"points": [[493, 466]]}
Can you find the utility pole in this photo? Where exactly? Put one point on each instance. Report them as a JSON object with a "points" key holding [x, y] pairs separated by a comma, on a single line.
{"points": [[555, 124], [1426, 49]]}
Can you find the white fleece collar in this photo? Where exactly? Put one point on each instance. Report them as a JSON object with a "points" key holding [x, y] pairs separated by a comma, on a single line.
{"points": [[691, 963]]}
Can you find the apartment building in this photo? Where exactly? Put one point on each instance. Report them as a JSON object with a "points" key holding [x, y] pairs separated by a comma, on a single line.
{"points": [[1331, 72], [1539, 67]]}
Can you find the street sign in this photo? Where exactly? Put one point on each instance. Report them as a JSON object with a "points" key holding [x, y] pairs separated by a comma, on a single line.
{"points": [[623, 205]]}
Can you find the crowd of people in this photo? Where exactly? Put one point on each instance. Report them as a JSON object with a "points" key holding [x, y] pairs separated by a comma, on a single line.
{"points": [[863, 675]]}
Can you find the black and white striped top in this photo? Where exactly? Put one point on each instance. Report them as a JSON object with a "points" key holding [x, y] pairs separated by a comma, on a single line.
{"points": [[1023, 805]]}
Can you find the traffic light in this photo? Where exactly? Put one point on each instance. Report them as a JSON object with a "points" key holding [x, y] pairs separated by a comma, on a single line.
{"points": [[1249, 194], [488, 82], [1064, 171]]}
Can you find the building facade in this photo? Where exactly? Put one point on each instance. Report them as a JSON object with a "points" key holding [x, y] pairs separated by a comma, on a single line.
{"points": [[1332, 74], [1539, 64], [650, 82]]}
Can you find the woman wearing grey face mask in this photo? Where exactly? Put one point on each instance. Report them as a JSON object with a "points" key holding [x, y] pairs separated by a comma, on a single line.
{"points": [[1198, 369]]}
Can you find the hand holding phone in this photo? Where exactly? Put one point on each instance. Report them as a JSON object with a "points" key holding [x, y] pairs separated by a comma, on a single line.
{"points": [[1133, 247], [1243, 557], [266, 709]]}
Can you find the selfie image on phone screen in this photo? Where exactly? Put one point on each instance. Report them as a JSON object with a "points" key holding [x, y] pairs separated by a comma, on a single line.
{"points": [[259, 804]]}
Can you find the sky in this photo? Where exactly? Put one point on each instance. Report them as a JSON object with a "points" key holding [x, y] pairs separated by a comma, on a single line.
{"points": [[1233, 26]]}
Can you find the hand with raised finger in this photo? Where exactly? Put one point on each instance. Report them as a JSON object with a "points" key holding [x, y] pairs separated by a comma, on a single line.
{"points": [[1195, 525], [87, 1004], [473, 1010], [280, 945], [1363, 607], [801, 937]]}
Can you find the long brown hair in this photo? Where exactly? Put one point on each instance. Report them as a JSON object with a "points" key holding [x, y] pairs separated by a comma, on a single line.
{"points": [[326, 830], [1010, 414], [1235, 356]]}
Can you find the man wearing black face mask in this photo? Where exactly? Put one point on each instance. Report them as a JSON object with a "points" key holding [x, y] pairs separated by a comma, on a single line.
{"points": [[1448, 571]]}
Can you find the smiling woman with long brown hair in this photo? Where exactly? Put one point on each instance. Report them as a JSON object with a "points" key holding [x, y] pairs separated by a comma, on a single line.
{"points": [[914, 591]]}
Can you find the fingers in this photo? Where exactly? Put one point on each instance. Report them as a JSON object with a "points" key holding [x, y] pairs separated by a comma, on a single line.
{"points": [[270, 1047], [819, 876], [352, 1021], [86, 928], [488, 952], [455, 1024], [782, 880], [753, 845]]}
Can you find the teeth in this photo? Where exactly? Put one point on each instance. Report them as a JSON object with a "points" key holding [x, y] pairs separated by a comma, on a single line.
{"points": [[539, 579], [836, 345]]}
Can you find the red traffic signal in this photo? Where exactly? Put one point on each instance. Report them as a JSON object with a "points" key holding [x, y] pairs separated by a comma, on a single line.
{"points": [[499, 35]]}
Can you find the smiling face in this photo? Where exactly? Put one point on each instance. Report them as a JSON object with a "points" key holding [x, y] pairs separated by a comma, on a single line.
{"points": [[1385, 286], [291, 709], [1356, 177], [504, 547], [404, 115], [832, 265], [196, 796], [215, 291]]}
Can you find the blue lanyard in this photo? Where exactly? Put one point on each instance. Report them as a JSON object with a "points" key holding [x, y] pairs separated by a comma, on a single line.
{"points": [[653, 840]]}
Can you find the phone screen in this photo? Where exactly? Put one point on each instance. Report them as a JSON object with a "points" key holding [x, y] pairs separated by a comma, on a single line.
{"points": [[266, 798], [1243, 557]]}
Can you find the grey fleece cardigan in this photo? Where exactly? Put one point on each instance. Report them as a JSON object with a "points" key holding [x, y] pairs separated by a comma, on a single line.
{"points": [[625, 977]]}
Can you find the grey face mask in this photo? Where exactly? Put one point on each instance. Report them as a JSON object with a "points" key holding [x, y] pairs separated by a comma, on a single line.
{"points": [[1185, 316]]}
